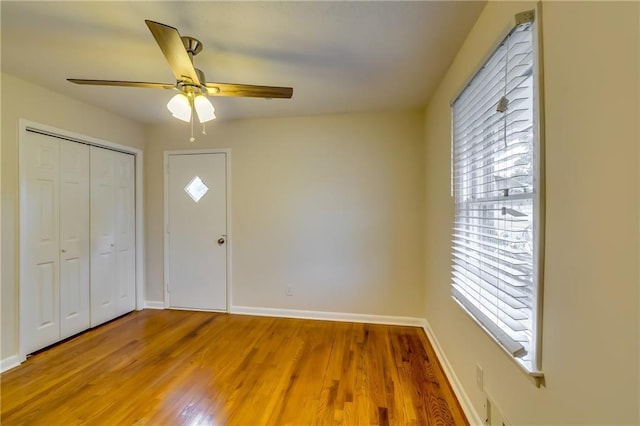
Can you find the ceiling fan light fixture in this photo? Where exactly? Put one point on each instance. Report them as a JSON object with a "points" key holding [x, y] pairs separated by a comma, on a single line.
{"points": [[204, 108], [180, 107]]}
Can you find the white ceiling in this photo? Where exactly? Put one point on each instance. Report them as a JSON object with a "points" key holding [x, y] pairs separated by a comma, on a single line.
{"points": [[338, 56]]}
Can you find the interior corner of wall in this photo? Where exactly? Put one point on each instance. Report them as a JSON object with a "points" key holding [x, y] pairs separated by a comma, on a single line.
{"points": [[465, 401]]}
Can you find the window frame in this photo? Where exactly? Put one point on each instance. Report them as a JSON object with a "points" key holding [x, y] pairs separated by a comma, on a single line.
{"points": [[532, 16]]}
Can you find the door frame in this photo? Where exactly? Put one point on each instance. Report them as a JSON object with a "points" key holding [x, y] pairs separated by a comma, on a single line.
{"points": [[166, 154], [25, 125]]}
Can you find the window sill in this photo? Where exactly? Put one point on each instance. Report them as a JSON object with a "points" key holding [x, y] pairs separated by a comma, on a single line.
{"points": [[536, 376]]}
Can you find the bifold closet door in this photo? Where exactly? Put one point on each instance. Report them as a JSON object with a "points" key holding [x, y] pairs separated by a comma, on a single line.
{"points": [[40, 239], [125, 233], [103, 236], [112, 235], [55, 240], [74, 238]]}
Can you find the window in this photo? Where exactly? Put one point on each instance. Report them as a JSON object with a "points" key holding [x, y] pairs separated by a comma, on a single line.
{"points": [[496, 186]]}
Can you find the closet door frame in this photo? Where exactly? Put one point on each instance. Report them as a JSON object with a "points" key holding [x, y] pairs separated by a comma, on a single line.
{"points": [[27, 125]]}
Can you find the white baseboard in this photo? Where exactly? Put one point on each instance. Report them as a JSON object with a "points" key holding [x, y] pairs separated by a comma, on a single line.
{"points": [[153, 304], [472, 415], [327, 316], [10, 362]]}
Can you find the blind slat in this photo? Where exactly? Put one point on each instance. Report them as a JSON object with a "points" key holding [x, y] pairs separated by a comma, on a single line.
{"points": [[514, 296], [475, 281], [499, 200], [484, 235], [512, 326], [481, 242], [503, 220], [489, 228], [474, 257], [508, 284], [487, 251], [488, 146]]}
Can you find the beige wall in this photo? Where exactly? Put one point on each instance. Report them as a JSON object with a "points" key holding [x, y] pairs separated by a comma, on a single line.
{"points": [[332, 205], [590, 348], [25, 100]]}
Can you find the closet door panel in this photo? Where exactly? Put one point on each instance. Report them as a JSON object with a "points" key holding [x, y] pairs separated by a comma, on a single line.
{"points": [[125, 233], [74, 238], [40, 241], [103, 258]]}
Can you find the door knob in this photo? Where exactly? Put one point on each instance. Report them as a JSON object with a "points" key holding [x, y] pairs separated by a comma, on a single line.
{"points": [[221, 240]]}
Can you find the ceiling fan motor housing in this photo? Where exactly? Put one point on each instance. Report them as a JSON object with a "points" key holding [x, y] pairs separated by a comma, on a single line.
{"points": [[189, 88]]}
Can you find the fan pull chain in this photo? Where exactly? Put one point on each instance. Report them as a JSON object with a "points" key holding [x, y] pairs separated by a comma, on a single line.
{"points": [[192, 139], [204, 129]]}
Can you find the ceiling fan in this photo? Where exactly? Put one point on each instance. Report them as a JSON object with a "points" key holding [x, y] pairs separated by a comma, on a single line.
{"points": [[190, 81]]}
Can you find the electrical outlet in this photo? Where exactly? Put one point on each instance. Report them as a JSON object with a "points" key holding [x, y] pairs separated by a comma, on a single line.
{"points": [[479, 377], [289, 290]]}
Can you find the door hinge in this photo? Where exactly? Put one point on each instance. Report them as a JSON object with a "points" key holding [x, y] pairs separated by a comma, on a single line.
{"points": [[167, 228], [168, 291]]}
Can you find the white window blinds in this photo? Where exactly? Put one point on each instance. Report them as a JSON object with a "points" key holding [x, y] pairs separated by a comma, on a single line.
{"points": [[495, 186]]}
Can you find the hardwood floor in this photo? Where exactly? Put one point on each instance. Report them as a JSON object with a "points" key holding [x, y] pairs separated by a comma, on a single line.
{"points": [[179, 367]]}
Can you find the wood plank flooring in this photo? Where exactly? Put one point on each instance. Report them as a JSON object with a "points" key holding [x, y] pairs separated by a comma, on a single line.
{"points": [[198, 368]]}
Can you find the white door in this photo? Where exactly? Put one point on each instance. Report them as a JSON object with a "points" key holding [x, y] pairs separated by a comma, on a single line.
{"points": [[197, 248], [74, 238], [125, 233], [40, 239], [103, 236]]}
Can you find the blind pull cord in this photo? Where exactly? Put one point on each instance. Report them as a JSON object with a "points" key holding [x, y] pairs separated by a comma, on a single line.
{"points": [[503, 103]]}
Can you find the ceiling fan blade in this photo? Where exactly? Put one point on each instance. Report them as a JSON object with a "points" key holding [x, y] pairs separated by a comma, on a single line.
{"points": [[168, 38], [248, 90], [122, 83]]}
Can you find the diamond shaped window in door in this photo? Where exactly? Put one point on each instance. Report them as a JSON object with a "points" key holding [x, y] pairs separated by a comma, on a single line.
{"points": [[196, 189]]}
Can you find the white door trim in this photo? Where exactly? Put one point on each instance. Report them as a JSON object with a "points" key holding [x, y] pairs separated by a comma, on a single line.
{"points": [[23, 125], [226, 151]]}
